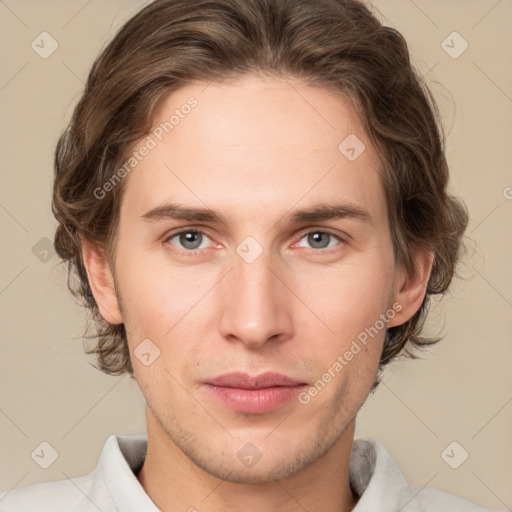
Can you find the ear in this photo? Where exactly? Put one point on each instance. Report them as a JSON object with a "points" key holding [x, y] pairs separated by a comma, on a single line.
{"points": [[411, 286], [101, 282]]}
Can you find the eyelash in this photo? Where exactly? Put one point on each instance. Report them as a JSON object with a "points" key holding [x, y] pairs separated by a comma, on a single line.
{"points": [[196, 252]]}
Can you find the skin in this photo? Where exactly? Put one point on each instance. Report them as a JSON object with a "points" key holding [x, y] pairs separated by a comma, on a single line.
{"points": [[255, 150]]}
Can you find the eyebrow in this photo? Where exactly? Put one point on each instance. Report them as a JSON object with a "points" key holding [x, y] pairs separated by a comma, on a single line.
{"points": [[317, 213]]}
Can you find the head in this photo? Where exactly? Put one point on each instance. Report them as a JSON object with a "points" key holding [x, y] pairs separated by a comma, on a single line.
{"points": [[266, 115]]}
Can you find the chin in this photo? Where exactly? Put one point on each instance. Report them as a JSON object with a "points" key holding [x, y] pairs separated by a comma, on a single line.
{"points": [[241, 461], [261, 473]]}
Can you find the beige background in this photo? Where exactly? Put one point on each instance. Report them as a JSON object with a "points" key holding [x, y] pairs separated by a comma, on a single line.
{"points": [[460, 392]]}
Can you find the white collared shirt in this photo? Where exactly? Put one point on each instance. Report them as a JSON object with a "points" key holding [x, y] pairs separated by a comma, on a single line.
{"points": [[113, 486]]}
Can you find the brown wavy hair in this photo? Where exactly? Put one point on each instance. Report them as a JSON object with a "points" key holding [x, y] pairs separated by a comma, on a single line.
{"points": [[335, 44]]}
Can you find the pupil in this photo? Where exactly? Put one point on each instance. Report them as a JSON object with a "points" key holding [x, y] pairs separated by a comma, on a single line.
{"points": [[316, 240], [190, 237]]}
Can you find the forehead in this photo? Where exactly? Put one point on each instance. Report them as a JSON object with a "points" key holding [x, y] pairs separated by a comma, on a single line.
{"points": [[254, 144]]}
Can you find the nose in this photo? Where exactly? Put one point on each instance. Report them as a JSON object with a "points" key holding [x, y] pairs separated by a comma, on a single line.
{"points": [[255, 303]]}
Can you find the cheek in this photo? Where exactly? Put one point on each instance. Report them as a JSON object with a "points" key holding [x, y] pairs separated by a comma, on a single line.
{"points": [[350, 298], [170, 307], [155, 296]]}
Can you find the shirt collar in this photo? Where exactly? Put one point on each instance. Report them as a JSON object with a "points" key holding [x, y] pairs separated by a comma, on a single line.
{"points": [[375, 477]]}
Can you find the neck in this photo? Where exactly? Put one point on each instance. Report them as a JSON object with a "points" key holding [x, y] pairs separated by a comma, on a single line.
{"points": [[175, 483]]}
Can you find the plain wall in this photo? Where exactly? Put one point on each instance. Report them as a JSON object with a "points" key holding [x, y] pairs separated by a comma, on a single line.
{"points": [[461, 391]]}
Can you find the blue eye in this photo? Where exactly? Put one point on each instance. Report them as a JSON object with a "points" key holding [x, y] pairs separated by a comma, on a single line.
{"points": [[320, 239], [189, 239]]}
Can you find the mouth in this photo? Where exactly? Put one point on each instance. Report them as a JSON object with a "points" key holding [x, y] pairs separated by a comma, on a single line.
{"points": [[254, 394]]}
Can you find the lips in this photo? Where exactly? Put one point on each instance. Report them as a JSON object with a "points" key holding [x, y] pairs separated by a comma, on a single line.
{"points": [[245, 381], [254, 394]]}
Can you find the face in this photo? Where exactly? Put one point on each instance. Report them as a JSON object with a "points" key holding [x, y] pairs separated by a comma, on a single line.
{"points": [[254, 281]]}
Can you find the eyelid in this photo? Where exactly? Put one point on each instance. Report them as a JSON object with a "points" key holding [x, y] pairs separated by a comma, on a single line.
{"points": [[321, 229]]}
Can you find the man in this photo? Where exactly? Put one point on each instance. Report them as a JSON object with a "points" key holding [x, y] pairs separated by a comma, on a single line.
{"points": [[253, 196]]}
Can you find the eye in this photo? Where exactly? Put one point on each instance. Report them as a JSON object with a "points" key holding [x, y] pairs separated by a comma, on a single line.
{"points": [[189, 239], [320, 239]]}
